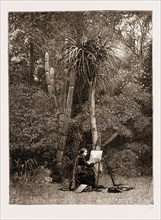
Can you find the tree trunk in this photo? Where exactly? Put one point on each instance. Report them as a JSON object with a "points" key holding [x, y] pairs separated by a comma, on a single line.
{"points": [[64, 119], [31, 64], [70, 93], [63, 128], [31, 69], [92, 115], [98, 168]]}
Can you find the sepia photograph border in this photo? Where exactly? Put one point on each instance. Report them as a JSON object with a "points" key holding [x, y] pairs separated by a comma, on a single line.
{"points": [[78, 211]]}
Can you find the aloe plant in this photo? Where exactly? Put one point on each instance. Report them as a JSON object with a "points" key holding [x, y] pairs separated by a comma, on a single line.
{"points": [[88, 56], [25, 168], [83, 59]]}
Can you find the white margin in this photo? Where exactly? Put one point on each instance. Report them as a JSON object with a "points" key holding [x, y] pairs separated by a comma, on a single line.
{"points": [[78, 211]]}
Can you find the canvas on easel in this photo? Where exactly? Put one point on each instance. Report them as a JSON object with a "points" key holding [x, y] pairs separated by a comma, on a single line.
{"points": [[95, 156]]}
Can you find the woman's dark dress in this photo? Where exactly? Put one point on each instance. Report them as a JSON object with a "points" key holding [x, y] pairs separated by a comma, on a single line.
{"points": [[84, 173]]}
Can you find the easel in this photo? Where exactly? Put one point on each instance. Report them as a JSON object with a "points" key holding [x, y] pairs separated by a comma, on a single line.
{"points": [[99, 162], [98, 174], [116, 188]]}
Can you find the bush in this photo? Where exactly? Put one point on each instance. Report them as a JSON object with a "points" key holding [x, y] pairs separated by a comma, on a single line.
{"points": [[33, 126], [132, 159]]}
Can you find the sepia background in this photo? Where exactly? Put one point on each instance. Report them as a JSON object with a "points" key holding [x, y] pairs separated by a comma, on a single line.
{"points": [[123, 105]]}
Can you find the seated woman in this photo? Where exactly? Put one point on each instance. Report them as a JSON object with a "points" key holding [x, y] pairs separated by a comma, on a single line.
{"points": [[83, 170]]}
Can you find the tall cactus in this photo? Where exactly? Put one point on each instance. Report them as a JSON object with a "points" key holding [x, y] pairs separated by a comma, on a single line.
{"points": [[49, 73], [63, 105]]}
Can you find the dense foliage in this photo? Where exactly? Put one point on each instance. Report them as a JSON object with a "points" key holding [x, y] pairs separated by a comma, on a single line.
{"points": [[125, 106], [33, 127]]}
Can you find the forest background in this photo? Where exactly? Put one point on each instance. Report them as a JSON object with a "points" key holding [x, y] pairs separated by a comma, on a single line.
{"points": [[123, 101]]}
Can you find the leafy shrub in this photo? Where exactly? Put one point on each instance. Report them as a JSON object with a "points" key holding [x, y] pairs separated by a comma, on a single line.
{"points": [[131, 159], [24, 168], [42, 175], [33, 127]]}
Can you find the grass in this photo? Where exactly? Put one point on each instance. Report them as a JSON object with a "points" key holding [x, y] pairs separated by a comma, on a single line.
{"points": [[30, 194]]}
